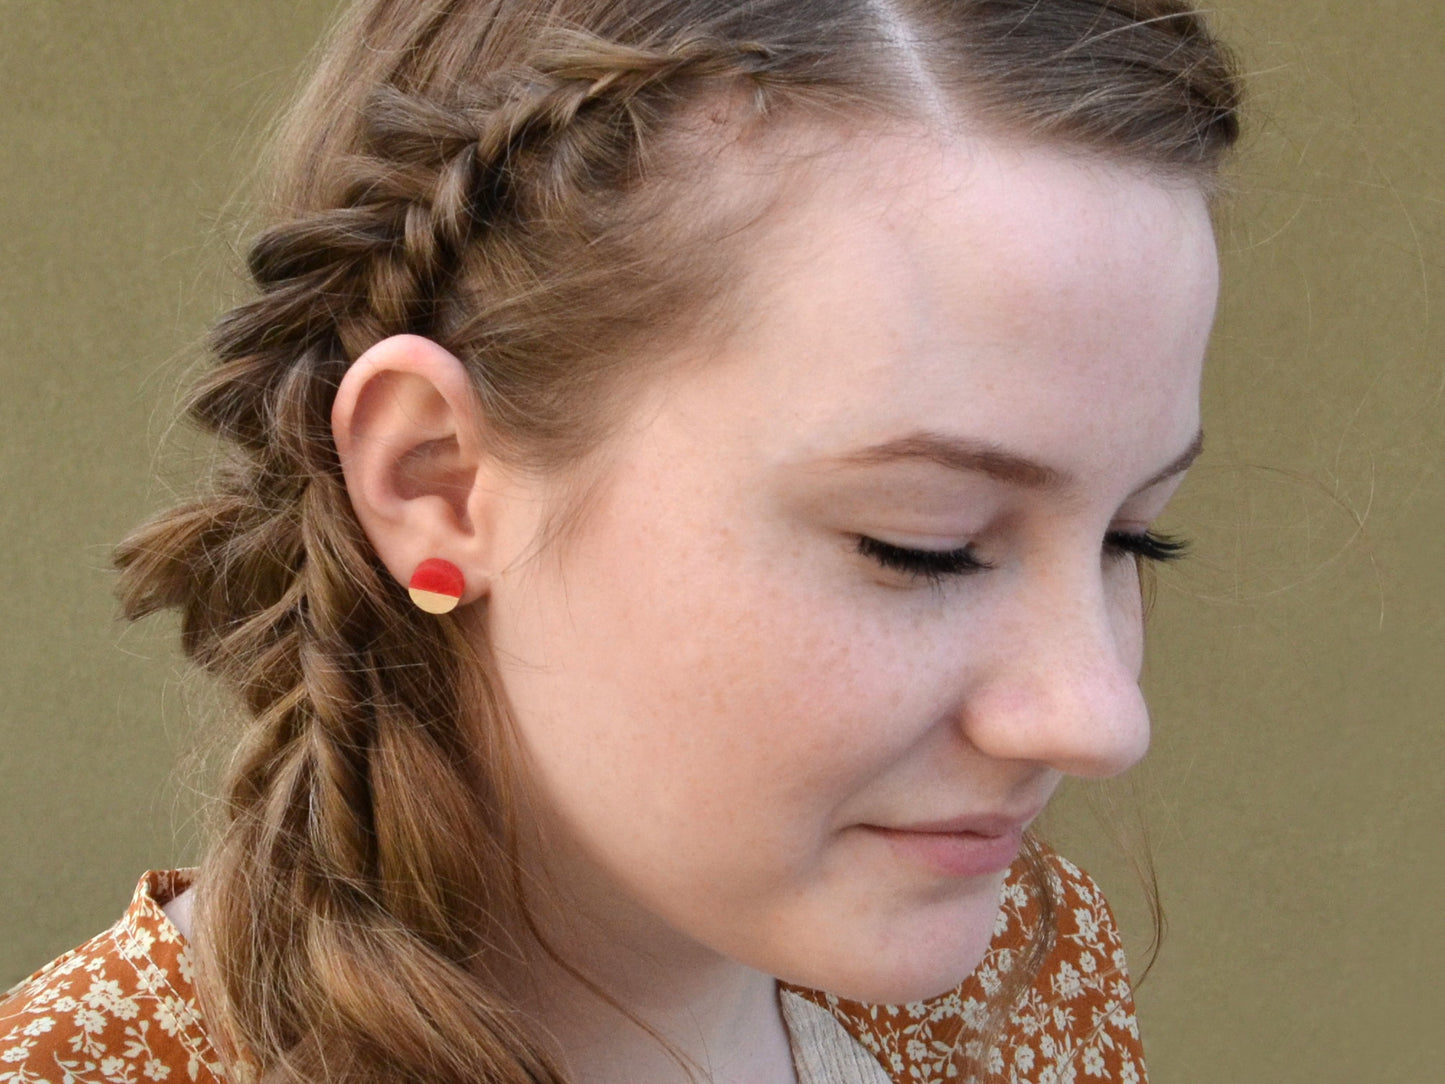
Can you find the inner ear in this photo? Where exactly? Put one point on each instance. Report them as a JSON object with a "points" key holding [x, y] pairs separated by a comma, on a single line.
{"points": [[436, 468]]}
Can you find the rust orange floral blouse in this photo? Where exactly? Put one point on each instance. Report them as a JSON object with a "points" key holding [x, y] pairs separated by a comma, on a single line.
{"points": [[121, 1009]]}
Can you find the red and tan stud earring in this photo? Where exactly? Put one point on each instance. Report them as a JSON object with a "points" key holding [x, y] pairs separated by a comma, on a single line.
{"points": [[436, 586]]}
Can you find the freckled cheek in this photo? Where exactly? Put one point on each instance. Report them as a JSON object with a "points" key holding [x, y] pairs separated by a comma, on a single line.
{"points": [[766, 675], [690, 667], [766, 682]]}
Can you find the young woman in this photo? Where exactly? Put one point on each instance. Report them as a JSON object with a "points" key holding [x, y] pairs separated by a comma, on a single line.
{"points": [[781, 394]]}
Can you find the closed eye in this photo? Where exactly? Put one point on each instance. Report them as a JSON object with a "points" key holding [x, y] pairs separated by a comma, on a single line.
{"points": [[1147, 545], [933, 566], [929, 565]]}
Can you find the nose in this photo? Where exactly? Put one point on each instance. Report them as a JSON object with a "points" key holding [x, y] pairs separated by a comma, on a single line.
{"points": [[1061, 684]]}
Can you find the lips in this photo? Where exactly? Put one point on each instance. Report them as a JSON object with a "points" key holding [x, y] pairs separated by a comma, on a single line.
{"points": [[984, 824], [960, 847]]}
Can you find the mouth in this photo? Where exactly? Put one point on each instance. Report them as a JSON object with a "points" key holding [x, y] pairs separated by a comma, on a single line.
{"points": [[961, 847]]}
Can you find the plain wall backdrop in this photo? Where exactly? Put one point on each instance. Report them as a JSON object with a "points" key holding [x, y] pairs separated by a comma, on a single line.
{"points": [[1293, 797]]}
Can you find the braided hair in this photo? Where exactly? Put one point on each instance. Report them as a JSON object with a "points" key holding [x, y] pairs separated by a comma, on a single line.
{"points": [[517, 180]]}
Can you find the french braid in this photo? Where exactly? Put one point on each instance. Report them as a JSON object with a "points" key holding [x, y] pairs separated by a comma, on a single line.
{"points": [[487, 173]]}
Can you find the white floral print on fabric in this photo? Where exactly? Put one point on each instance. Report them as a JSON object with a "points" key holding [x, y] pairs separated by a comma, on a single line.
{"points": [[120, 1009], [1075, 1022]]}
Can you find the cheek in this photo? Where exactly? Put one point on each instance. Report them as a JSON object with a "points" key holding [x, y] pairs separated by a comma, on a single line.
{"points": [[713, 682], [750, 676]]}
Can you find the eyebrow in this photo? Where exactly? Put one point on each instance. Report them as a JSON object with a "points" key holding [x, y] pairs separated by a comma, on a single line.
{"points": [[979, 457]]}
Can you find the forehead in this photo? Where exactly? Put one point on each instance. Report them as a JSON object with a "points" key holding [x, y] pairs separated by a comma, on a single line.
{"points": [[910, 282]]}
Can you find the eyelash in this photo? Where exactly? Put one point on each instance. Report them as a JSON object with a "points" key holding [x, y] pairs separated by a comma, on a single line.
{"points": [[933, 566], [1149, 545], [929, 565]]}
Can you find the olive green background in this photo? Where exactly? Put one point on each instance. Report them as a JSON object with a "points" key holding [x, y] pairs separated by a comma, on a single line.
{"points": [[1293, 798]]}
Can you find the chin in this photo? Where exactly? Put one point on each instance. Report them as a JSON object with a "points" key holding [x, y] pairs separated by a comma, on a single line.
{"points": [[913, 961], [894, 985]]}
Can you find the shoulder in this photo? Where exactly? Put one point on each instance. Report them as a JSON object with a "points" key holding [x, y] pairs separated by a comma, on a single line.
{"points": [[120, 1008], [1075, 1017]]}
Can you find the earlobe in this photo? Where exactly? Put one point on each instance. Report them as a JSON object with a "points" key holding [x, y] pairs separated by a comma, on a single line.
{"points": [[407, 430]]}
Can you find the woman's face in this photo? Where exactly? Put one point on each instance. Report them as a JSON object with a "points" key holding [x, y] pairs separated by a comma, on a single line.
{"points": [[761, 724]]}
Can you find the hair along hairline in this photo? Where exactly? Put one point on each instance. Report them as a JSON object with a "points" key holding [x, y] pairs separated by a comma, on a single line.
{"points": [[578, 488]]}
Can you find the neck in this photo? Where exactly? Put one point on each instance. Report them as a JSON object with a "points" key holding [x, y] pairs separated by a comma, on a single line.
{"points": [[682, 1012], [728, 1031]]}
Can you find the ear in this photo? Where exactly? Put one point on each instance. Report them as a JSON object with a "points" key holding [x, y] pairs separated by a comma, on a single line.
{"points": [[407, 427]]}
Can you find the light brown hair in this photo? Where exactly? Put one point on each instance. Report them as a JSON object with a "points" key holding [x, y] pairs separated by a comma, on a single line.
{"points": [[517, 180]]}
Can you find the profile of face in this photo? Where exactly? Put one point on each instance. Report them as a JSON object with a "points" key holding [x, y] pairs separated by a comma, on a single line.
{"points": [[857, 584]]}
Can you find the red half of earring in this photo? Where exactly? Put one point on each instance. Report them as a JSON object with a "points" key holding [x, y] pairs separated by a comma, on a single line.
{"points": [[436, 586]]}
